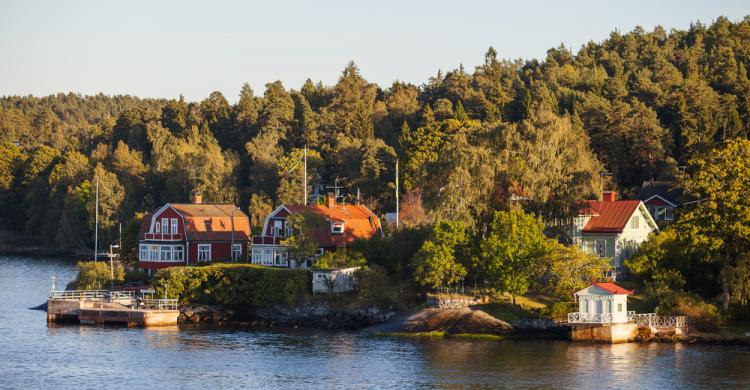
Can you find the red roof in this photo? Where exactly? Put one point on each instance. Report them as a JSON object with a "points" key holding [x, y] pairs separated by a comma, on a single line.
{"points": [[359, 222], [612, 288], [608, 217]]}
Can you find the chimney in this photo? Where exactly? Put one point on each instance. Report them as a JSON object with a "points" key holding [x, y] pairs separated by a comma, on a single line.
{"points": [[196, 197], [609, 196], [330, 200]]}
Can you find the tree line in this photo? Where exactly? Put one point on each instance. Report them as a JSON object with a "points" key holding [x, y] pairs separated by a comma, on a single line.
{"points": [[636, 106]]}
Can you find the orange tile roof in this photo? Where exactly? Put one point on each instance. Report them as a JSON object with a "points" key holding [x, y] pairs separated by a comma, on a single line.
{"points": [[608, 217], [209, 222], [359, 222]]}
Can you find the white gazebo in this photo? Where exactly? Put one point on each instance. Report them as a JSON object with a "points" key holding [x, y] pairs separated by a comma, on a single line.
{"points": [[602, 303]]}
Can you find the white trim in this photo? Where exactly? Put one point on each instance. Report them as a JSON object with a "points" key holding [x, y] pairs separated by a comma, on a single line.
{"points": [[198, 252], [268, 218], [660, 197], [649, 218]]}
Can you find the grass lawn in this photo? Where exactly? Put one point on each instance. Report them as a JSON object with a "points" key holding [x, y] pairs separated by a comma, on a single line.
{"points": [[527, 306]]}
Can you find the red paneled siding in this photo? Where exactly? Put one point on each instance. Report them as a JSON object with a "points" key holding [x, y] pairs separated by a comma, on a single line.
{"points": [[157, 265]]}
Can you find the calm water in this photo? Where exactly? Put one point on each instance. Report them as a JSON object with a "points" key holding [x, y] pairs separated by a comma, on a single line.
{"points": [[33, 355]]}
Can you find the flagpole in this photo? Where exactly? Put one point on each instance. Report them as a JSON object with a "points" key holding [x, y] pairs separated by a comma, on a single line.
{"points": [[304, 179], [96, 222]]}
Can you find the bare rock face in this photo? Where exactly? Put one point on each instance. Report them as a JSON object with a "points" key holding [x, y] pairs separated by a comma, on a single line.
{"points": [[456, 321], [204, 314]]}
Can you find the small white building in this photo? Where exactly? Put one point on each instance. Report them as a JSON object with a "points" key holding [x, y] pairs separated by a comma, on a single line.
{"points": [[336, 280], [602, 303]]}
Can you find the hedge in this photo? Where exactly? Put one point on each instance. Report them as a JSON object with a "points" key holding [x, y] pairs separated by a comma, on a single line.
{"points": [[234, 284]]}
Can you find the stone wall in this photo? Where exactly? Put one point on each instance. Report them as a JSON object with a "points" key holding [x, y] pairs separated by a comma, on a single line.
{"points": [[451, 301]]}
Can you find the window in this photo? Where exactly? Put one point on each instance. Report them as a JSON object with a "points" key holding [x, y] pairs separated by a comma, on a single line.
{"points": [[166, 253], [153, 253], [654, 211], [619, 307], [585, 304], [634, 222], [267, 258], [143, 256], [157, 227], [278, 226], [236, 252], [607, 306], [177, 253], [256, 256], [668, 214], [164, 225], [204, 252], [600, 248], [174, 225], [337, 228], [320, 251]]}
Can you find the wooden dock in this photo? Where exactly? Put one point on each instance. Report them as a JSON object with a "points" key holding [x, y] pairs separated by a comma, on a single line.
{"points": [[103, 307]]}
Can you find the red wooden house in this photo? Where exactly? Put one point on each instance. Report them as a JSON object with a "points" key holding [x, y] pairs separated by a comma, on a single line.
{"points": [[190, 233], [345, 223]]}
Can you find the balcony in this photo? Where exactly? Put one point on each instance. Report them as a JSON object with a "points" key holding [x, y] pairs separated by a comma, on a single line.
{"points": [[163, 237]]}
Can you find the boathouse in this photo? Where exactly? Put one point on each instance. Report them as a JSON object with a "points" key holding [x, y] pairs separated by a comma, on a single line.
{"points": [[601, 303]]}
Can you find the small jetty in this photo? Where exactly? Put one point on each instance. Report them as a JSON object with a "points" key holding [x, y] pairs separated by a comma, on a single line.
{"points": [[110, 307]]}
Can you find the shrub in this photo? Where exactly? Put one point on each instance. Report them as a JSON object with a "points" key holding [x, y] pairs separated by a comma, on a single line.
{"points": [[234, 284], [558, 310], [96, 275], [703, 315]]}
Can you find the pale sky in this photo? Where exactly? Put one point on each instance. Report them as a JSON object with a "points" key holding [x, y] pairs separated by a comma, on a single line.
{"points": [[167, 48]]}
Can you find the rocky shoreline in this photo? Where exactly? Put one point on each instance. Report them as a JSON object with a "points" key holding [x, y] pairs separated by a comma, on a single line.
{"points": [[319, 315]]}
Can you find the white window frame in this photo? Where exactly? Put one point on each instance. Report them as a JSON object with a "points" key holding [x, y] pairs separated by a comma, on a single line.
{"points": [[157, 227], [277, 230], [337, 228], [604, 248], [165, 226], [177, 253], [236, 249], [668, 214], [173, 223], [635, 222], [165, 253], [143, 252], [204, 252]]}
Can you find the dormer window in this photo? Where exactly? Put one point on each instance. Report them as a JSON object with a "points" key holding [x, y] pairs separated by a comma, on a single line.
{"points": [[337, 228]]}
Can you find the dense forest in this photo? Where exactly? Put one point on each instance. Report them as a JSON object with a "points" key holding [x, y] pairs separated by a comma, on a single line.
{"points": [[636, 106]]}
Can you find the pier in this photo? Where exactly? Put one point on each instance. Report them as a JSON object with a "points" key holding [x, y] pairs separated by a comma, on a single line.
{"points": [[110, 307]]}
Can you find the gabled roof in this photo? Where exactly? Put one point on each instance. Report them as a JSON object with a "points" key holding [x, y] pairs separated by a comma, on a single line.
{"points": [[206, 222], [663, 189], [608, 217], [612, 288], [607, 288], [358, 220]]}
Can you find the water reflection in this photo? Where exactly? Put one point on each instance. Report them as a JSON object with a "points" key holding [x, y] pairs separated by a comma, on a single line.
{"points": [[34, 355]]}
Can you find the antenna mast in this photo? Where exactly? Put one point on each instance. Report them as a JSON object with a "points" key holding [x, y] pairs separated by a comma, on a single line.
{"points": [[396, 194]]}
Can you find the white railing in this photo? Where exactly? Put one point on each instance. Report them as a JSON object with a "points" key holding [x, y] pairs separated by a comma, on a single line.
{"points": [[160, 304], [589, 318], [654, 321], [631, 316], [116, 295], [79, 294]]}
